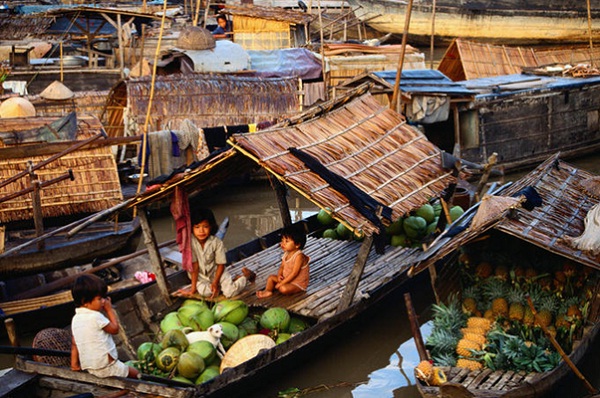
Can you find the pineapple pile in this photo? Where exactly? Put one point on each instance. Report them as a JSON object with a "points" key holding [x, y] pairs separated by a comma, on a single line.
{"points": [[491, 324]]}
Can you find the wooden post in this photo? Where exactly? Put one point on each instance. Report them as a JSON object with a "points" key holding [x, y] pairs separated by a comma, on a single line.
{"points": [[121, 49], [325, 81], [284, 209], [154, 254], [9, 323], [432, 40], [589, 12], [357, 270], [395, 104], [414, 326], [61, 61], [36, 203], [2, 237]]}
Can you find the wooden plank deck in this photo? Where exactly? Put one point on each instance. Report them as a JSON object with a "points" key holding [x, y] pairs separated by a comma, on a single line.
{"points": [[331, 262]]}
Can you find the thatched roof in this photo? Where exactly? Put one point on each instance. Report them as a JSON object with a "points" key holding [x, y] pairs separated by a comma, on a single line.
{"points": [[208, 100], [363, 142], [96, 185], [565, 205], [271, 13], [466, 60], [18, 27]]}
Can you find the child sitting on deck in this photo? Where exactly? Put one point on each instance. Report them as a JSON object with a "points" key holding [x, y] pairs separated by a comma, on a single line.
{"points": [[293, 273], [93, 348], [209, 276]]}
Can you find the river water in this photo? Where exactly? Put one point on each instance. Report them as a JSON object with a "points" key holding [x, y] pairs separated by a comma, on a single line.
{"points": [[375, 356]]}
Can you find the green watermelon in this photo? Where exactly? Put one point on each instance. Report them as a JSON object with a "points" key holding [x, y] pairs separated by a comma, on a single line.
{"points": [[455, 212], [230, 334], [208, 374], [170, 321], [175, 338], [415, 227], [395, 228], [342, 231], [148, 351], [202, 320], [324, 217], [399, 240], [281, 337], [330, 234], [182, 379], [427, 212], [297, 325], [232, 311], [186, 312]]}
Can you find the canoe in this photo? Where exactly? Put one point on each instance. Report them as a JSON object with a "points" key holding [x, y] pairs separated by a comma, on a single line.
{"points": [[497, 245], [504, 22], [98, 241]]}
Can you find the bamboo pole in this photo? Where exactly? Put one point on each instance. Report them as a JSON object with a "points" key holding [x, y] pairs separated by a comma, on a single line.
{"points": [[61, 61], [154, 254], [394, 103], [431, 44], [562, 353], [414, 326], [121, 49], [589, 12], [325, 81], [355, 275]]}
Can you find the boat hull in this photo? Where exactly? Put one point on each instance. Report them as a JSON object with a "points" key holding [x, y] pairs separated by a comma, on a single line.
{"points": [[489, 21], [60, 252]]}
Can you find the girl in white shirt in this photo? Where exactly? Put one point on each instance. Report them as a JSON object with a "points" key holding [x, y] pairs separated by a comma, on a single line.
{"points": [[93, 348]]}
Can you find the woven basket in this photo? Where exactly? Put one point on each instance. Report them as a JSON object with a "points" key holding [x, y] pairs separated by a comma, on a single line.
{"points": [[53, 339], [195, 38]]}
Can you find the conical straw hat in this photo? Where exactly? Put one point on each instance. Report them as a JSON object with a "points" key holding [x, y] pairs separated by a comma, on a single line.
{"points": [[16, 107], [244, 349], [57, 91], [493, 208], [135, 70]]}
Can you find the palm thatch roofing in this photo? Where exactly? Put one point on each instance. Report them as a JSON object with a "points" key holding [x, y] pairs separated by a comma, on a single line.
{"points": [[360, 141], [466, 60], [369, 145], [270, 13], [96, 181], [208, 100], [565, 204], [19, 27]]}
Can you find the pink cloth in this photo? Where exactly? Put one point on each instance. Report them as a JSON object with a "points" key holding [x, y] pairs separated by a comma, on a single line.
{"points": [[180, 209]]}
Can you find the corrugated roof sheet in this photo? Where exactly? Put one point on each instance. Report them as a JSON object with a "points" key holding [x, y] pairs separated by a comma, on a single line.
{"points": [[424, 81]]}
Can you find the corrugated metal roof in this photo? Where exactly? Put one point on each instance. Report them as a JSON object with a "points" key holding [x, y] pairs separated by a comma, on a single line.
{"points": [[424, 81]]}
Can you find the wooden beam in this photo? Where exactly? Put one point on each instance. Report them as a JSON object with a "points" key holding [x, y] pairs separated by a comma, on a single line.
{"points": [[154, 254], [284, 209], [357, 270]]}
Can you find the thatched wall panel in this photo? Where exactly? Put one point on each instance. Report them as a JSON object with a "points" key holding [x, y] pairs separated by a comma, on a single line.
{"points": [[368, 145], [211, 100], [96, 186]]}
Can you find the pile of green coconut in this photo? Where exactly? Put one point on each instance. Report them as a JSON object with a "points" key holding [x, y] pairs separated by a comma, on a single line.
{"points": [[406, 231], [171, 356]]}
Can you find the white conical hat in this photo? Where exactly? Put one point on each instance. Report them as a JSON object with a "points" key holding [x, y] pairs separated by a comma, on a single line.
{"points": [[16, 107], [57, 91]]}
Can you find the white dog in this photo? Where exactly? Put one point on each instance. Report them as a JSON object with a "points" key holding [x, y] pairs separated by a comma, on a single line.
{"points": [[212, 335]]}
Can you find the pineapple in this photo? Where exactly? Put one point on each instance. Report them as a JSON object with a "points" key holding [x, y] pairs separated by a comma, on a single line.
{"points": [[516, 298], [528, 317], [424, 371], [470, 297], [469, 364], [464, 347], [473, 330], [501, 272], [441, 341], [489, 315], [484, 270], [495, 291], [480, 323], [438, 377], [545, 312], [518, 273], [561, 321], [530, 273], [476, 337], [574, 312], [444, 359], [449, 317]]}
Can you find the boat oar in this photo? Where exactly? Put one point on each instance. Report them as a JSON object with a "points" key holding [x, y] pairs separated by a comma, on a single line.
{"points": [[49, 287], [559, 349]]}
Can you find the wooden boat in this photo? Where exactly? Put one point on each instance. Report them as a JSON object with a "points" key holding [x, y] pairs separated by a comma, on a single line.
{"points": [[522, 118], [347, 277], [509, 22], [544, 240]]}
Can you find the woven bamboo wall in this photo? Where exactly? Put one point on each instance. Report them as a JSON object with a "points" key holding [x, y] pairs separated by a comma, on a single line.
{"points": [[84, 102], [209, 100], [261, 34], [96, 186], [367, 144]]}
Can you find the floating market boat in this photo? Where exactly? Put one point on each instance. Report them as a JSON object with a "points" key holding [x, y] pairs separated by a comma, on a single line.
{"points": [[518, 283], [505, 22], [390, 162], [44, 183]]}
